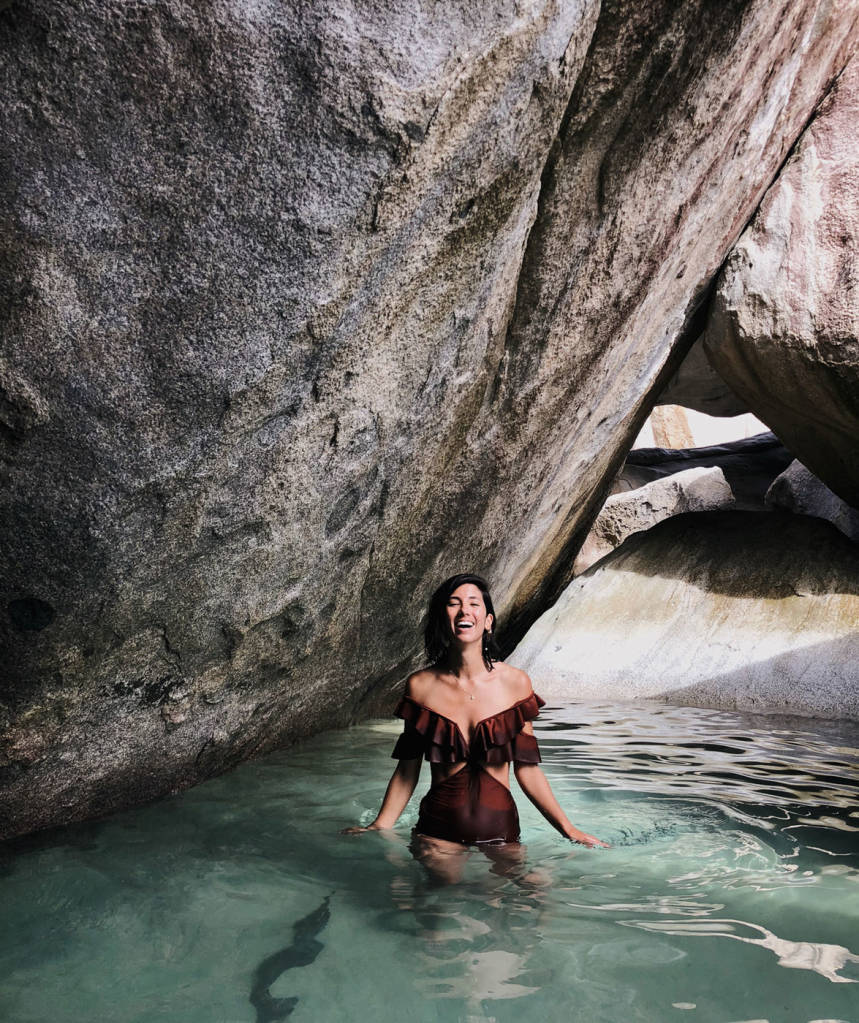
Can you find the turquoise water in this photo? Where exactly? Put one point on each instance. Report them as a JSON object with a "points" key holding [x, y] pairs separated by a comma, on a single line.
{"points": [[731, 892]]}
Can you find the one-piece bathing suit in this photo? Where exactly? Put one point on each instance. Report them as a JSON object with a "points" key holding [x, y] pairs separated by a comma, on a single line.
{"points": [[470, 805]]}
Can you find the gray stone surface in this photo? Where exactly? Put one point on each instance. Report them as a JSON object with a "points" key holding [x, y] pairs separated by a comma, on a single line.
{"points": [[784, 331], [695, 489], [719, 609], [698, 386], [798, 490], [306, 306]]}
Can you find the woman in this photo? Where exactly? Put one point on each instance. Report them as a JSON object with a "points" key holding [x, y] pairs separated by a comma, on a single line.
{"points": [[470, 716]]}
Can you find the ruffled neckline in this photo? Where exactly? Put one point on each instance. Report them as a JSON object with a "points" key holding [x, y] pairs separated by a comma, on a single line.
{"points": [[495, 730]]}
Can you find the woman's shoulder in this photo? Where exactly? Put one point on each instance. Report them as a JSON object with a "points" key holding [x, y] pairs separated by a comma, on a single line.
{"points": [[514, 680], [420, 683]]}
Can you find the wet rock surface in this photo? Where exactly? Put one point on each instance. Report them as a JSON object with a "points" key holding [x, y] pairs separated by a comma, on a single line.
{"points": [[730, 609], [310, 307]]}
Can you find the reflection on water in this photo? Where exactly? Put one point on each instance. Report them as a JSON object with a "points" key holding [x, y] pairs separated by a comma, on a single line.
{"points": [[730, 893]]}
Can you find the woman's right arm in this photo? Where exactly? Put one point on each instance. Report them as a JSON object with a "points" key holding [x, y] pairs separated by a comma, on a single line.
{"points": [[398, 793]]}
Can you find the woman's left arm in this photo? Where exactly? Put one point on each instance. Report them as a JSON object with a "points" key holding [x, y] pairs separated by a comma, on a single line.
{"points": [[536, 787]]}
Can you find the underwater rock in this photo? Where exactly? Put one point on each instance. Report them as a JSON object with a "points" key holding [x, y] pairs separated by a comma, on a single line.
{"points": [[798, 490], [306, 309], [784, 332], [631, 511], [732, 609]]}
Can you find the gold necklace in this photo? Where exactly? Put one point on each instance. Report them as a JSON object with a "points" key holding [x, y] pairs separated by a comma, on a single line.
{"points": [[462, 687]]}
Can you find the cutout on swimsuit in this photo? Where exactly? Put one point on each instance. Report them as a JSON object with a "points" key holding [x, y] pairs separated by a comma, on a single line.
{"points": [[470, 805]]}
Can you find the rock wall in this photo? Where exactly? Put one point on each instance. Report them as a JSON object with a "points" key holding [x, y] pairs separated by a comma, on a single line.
{"points": [[307, 306], [784, 332], [745, 610]]}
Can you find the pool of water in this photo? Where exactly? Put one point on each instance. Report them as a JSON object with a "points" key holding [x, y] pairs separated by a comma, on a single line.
{"points": [[730, 893]]}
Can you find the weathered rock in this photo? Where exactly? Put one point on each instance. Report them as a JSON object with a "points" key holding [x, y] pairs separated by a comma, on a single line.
{"points": [[784, 332], [690, 490], [312, 305], [745, 610], [798, 490], [749, 466]]}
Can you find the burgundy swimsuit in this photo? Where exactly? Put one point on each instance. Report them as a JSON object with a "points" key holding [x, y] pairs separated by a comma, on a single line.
{"points": [[471, 805]]}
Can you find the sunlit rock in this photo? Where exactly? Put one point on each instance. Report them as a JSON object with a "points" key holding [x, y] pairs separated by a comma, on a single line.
{"points": [[785, 326], [747, 610], [690, 490], [671, 427]]}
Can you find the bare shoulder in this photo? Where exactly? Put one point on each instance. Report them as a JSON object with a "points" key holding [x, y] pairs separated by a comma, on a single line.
{"points": [[515, 681], [419, 683]]}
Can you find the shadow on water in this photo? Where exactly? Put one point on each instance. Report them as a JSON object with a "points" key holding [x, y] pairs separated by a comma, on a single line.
{"points": [[302, 952]]}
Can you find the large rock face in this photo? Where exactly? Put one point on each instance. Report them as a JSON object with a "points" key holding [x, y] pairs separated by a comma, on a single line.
{"points": [[310, 305], [747, 610], [785, 327]]}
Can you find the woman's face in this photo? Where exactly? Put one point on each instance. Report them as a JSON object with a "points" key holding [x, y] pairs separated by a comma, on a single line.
{"points": [[466, 613]]}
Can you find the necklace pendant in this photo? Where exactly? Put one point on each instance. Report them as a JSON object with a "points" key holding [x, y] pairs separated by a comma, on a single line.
{"points": [[471, 696]]}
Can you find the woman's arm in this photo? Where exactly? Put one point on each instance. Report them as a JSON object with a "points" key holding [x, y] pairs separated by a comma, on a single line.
{"points": [[536, 787], [398, 793]]}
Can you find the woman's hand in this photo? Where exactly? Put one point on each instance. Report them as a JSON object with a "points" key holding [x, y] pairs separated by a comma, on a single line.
{"points": [[590, 841], [357, 829]]}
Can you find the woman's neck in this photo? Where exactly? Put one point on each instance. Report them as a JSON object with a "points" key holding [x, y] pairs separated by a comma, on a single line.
{"points": [[468, 663]]}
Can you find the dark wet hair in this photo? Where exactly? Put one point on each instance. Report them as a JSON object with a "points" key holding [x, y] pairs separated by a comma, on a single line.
{"points": [[437, 638]]}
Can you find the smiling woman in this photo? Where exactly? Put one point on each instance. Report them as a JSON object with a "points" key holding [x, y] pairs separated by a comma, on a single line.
{"points": [[469, 714]]}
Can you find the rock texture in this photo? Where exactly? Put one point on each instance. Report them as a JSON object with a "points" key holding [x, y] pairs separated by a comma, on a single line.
{"points": [[799, 490], [671, 427], [309, 305], [720, 609], [632, 511], [785, 325], [698, 386]]}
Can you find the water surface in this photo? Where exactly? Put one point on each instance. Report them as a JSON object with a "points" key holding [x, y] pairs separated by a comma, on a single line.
{"points": [[731, 892]]}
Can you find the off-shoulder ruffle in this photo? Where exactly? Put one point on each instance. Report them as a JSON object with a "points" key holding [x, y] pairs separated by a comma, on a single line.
{"points": [[526, 750], [443, 741], [492, 742]]}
